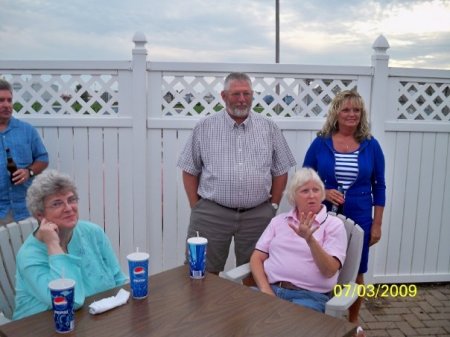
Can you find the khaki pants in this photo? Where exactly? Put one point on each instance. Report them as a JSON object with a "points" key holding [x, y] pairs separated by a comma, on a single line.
{"points": [[220, 225]]}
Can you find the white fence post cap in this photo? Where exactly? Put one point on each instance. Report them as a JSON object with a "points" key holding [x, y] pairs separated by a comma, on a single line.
{"points": [[381, 45]]}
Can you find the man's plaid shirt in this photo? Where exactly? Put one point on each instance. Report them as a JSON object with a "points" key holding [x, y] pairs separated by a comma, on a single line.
{"points": [[236, 163]]}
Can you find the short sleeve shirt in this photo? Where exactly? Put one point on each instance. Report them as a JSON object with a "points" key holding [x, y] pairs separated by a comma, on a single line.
{"points": [[290, 257], [26, 147], [236, 163]]}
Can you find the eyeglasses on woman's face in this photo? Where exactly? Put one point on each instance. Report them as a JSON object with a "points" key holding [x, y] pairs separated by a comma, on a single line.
{"points": [[59, 204]]}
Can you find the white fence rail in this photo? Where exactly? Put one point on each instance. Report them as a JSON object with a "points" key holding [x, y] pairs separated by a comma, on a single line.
{"points": [[117, 128]]}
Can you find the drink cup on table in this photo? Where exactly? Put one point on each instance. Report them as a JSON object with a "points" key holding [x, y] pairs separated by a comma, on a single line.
{"points": [[138, 269], [63, 294], [197, 256]]}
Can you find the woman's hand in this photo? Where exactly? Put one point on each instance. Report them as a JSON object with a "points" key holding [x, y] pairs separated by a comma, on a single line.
{"points": [[305, 229], [327, 264], [375, 232], [48, 233], [334, 196], [267, 290]]}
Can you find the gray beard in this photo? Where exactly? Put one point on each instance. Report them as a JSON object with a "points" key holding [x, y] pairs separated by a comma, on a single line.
{"points": [[240, 112]]}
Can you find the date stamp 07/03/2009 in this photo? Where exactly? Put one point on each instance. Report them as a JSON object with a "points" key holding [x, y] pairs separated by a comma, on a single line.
{"points": [[375, 290]]}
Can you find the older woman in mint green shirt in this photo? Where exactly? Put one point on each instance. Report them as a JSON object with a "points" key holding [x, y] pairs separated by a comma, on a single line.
{"points": [[62, 245]]}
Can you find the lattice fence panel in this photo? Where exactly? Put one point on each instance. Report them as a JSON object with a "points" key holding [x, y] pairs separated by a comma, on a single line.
{"points": [[65, 94], [423, 101], [190, 95]]}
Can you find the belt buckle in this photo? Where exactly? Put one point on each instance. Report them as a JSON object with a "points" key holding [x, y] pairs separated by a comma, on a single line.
{"points": [[280, 284], [288, 285]]}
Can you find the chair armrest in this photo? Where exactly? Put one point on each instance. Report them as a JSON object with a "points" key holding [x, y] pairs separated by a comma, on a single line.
{"points": [[3, 319], [338, 304], [238, 274]]}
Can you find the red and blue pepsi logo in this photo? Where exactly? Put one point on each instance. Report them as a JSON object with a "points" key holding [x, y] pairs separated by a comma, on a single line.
{"points": [[139, 271], [60, 302]]}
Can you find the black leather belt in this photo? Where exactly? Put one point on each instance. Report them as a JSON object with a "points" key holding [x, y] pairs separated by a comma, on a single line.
{"points": [[238, 209]]}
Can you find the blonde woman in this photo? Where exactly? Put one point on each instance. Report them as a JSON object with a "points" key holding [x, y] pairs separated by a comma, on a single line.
{"points": [[346, 154]]}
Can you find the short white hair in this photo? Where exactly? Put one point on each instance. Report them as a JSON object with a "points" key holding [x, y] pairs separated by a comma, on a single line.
{"points": [[300, 178], [236, 77]]}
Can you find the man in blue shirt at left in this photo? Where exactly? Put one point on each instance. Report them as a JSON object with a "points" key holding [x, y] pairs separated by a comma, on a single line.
{"points": [[27, 151]]}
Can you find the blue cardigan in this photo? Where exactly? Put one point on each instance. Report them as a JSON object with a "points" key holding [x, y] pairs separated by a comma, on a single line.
{"points": [[369, 188]]}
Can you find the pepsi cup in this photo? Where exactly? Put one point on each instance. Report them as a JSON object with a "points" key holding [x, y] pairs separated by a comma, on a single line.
{"points": [[138, 269], [62, 293], [197, 256]]}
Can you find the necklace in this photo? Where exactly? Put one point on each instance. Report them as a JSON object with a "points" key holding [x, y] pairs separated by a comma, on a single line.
{"points": [[344, 144]]}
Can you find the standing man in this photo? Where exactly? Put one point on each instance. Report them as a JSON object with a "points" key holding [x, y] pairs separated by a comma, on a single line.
{"points": [[27, 151], [235, 167]]}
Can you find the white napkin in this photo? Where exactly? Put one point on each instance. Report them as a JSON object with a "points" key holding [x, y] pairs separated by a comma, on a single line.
{"points": [[109, 303]]}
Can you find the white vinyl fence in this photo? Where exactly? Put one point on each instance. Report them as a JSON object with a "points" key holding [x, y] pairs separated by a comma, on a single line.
{"points": [[118, 127]]}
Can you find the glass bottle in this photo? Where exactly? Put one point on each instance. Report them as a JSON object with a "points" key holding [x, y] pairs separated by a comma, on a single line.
{"points": [[11, 165], [339, 209]]}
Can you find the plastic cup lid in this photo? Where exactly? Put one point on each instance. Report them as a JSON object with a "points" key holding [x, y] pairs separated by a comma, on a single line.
{"points": [[61, 283], [138, 256], [197, 240]]}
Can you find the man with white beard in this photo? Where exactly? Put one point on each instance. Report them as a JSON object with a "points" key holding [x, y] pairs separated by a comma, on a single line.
{"points": [[235, 166]]}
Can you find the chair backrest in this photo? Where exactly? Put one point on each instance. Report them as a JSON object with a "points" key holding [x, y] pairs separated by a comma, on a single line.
{"points": [[355, 239], [11, 238]]}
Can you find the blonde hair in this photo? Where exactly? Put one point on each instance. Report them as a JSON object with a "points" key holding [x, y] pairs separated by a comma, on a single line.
{"points": [[331, 125]]}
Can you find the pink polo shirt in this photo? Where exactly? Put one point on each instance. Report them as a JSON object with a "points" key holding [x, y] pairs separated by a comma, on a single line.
{"points": [[290, 258]]}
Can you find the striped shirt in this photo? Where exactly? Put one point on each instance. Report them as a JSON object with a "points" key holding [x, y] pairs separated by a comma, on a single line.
{"points": [[346, 168], [236, 163]]}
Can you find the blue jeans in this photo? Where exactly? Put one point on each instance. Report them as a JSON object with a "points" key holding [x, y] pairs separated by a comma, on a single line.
{"points": [[304, 298]]}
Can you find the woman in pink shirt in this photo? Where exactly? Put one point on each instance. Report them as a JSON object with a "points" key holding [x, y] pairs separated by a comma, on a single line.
{"points": [[299, 255]]}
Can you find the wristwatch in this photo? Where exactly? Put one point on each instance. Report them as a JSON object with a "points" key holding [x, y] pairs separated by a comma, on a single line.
{"points": [[31, 172], [275, 206]]}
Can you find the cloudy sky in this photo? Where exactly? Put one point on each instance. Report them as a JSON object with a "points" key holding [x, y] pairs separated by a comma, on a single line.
{"points": [[325, 32]]}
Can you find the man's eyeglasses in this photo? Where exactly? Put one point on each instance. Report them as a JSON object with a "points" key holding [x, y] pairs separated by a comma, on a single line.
{"points": [[237, 94], [58, 204]]}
